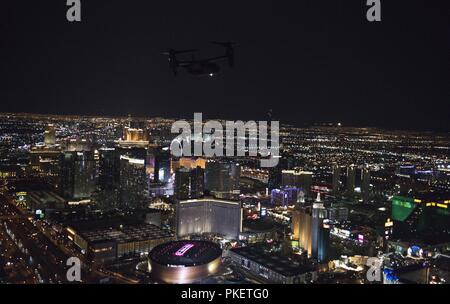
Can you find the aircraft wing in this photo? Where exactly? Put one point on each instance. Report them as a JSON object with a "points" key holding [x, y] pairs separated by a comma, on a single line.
{"points": [[216, 58]]}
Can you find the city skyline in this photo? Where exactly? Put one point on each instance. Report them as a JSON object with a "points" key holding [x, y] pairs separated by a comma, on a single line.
{"points": [[211, 150], [108, 195], [330, 124]]}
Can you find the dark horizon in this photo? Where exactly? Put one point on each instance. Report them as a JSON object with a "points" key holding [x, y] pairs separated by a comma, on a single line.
{"points": [[327, 124], [309, 61]]}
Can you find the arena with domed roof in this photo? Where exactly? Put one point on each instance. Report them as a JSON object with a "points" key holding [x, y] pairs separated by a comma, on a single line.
{"points": [[181, 262]]}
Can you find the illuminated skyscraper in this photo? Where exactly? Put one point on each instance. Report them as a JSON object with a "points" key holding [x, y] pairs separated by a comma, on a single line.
{"points": [[351, 180], [209, 215], [134, 135], [189, 163], [49, 135], [182, 183], [78, 174], [336, 179], [107, 193], [123, 181], [45, 163], [320, 233], [365, 185], [189, 183], [310, 229], [302, 228], [133, 182], [161, 165], [108, 168], [135, 132], [222, 178]]}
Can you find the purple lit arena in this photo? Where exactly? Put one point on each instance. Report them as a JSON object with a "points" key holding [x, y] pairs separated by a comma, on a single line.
{"points": [[182, 262]]}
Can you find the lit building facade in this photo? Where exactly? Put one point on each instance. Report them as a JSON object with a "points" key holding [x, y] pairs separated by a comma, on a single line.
{"points": [[107, 193], [45, 163], [299, 179], [78, 174], [50, 135], [189, 163], [104, 244], [209, 215], [272, 268], [320, 233], [133, 182], [162, 165], [222, 178], [424, 215], [365, 185], [336, 182], [311, 231], [189, 183], [284, 197], [351, 181]]}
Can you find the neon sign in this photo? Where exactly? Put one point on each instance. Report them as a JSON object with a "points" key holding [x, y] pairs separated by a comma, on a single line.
{"points": [[184, 249]]}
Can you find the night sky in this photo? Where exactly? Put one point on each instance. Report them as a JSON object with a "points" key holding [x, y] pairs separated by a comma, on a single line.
{"points": [[308, 60]]}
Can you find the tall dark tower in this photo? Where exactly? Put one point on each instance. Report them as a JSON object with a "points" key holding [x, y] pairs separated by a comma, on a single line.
{"points": [[365, 184], [107, 192], [133, 182], [336, 178], [108, 177], [162, 165], [275, 176], [129, 120], [351, 179], [222, 178], [275, 173], [78, 174], [189, 183]]}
